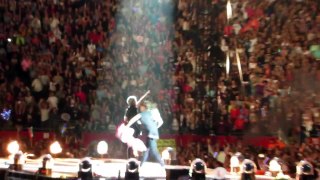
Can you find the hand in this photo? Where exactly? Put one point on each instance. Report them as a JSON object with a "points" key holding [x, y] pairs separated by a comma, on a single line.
{"points": [[148, 92]]}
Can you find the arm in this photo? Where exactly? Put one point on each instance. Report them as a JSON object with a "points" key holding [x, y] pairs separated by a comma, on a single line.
{"points": [[133, 120], [157, 117], [159, 124], [148, 92], [210, 151], [125, 118]]}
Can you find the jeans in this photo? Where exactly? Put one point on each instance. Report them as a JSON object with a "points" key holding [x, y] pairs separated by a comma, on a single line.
{"points": [[152, 150]]}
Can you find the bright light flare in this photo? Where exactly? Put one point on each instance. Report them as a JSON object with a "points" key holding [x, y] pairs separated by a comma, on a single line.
{"points": [[102, 147], [261, 155], [228, 65], [234, 161], [229, 10], [13, 147], [55, 148], [274, 165], [166, 154], [239, 65]]}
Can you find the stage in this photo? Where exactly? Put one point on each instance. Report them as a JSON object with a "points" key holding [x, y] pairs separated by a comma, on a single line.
{"points": [[104, 169]]}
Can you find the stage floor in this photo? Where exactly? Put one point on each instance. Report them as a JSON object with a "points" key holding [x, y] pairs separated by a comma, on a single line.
{"points": [[111, 169]]}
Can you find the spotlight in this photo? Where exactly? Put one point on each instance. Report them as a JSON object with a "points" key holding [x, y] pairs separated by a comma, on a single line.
{"points": [[102, 148], [305, 170], [274, 166], [166, 155], [18, 161], [47, 165], [248, 169], [9, 39], [235, 163], [262, 156], [55, 148], [132, 169], [198, 169], [85, 170], [248, 166], [13, 147]]}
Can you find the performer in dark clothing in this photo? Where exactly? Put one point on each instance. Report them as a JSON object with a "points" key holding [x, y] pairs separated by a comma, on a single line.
{"points": [[151, 121], [131, 111]]}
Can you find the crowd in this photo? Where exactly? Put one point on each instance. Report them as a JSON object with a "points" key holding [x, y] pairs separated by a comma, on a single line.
{"points": [[276, 91], [69, 66], [219, 155], [73, 73]]}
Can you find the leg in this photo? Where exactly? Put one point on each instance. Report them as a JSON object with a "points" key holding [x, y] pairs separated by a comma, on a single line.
{"points": [[146, 153], [129, 152], [154, 151]]}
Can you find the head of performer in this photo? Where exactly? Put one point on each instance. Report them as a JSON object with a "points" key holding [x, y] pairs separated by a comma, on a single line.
{"points": [[132, 101], [143, 106]]}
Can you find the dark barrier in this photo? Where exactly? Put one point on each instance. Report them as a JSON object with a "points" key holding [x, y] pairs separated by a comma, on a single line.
{"points": [[177, 174], [2, 173]]}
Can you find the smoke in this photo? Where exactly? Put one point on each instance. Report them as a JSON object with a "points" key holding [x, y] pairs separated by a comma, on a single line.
{"points": [[294, 104]]}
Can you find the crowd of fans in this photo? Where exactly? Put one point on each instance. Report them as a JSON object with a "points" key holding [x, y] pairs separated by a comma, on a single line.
{"points": [[73, 63], [276, 41], [69, 66], [219, 155]]}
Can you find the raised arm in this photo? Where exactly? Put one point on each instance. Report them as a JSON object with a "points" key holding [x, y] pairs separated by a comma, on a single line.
{"points": [[125, 119], [133, 120], [142, 97]]}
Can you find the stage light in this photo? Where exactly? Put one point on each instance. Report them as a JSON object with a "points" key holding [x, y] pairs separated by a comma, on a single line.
{"points": [[102, 148], [248, 166], [235, 163], [261, 156], [248, 169], [85, 169], [13, 147], [132, 169], [55, 148], [274, 166], [305, 170], [18, 161], [229, 10], [47, 165], [198, 169], [166, 155]]}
